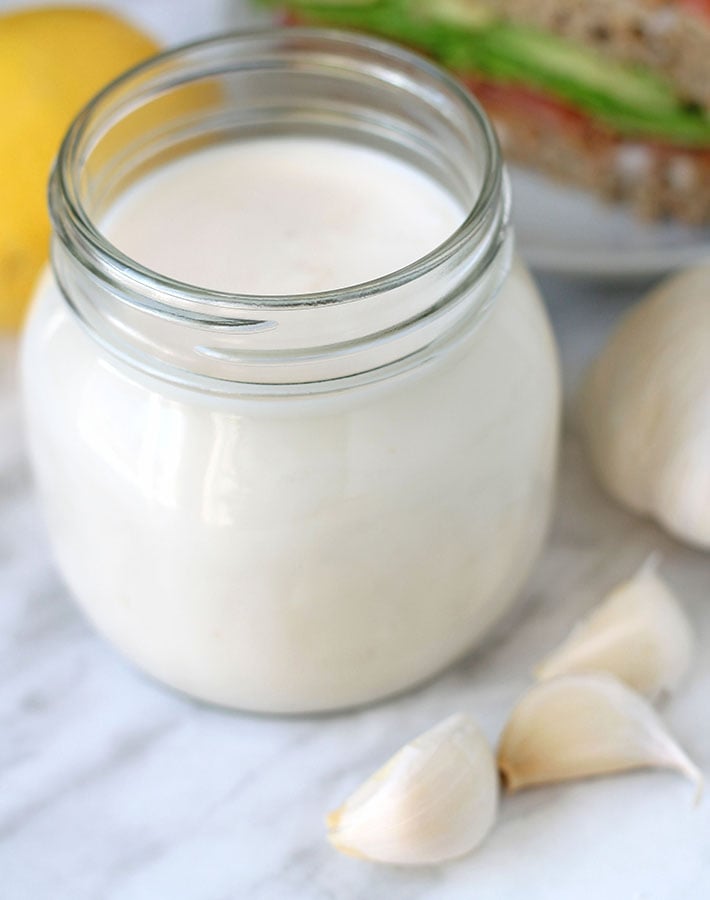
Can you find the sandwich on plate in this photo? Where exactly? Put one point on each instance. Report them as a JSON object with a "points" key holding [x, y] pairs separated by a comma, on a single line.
{"points": [[609, 95]]}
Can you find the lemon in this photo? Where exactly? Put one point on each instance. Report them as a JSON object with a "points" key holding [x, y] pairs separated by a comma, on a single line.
{"points": [[52, 60]]}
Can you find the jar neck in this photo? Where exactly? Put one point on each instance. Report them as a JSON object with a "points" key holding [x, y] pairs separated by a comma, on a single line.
{"points": [[278, 83]]}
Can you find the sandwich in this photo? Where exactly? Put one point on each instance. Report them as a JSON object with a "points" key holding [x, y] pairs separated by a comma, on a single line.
{"points": [[609, 95]]}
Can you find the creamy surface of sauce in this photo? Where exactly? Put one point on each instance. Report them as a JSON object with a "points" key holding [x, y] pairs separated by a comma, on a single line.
{"points": [[282, 216]]}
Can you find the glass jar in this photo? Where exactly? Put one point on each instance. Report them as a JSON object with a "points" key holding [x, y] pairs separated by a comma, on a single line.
{"points": [[293, 503]]}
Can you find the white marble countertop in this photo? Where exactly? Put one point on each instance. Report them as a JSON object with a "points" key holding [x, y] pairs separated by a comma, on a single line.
{"points": [[112, 788]]}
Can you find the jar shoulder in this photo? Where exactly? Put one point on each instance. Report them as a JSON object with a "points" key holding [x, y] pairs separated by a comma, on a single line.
{"points": [[55, 343], [507, 364], [484, 415]]}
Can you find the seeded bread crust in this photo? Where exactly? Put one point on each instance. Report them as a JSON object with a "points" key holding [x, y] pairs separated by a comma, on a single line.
{"points": [[656, 33]]}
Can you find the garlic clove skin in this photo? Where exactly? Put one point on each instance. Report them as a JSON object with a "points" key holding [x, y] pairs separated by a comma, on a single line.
{"points": [[577, 726], [639, 633], [434, 800], [645, 408]]}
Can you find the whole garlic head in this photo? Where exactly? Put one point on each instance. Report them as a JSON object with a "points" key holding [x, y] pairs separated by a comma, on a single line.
{"points": [[436, 799], [646, 408]]}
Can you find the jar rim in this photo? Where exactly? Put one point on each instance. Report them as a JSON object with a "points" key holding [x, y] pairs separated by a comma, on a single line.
{"points": [[66, 203]]}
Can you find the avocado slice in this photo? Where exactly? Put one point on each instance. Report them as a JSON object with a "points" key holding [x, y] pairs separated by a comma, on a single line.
{"points": [[468, 39]]}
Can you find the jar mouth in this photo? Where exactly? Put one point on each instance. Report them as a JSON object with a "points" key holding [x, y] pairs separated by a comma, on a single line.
{"points": [[274, 83], [77, 228]]}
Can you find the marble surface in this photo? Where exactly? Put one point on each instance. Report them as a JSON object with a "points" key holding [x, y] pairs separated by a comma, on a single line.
{"points": [[112, 788]]}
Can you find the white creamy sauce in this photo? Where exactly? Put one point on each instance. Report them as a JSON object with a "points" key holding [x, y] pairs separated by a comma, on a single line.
{"points": [[282, 216], [306, 553]]}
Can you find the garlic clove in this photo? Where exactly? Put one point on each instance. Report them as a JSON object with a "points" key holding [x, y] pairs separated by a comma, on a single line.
{"points": [[434, 800], [644, 407], [577, 726], [639, 633]]}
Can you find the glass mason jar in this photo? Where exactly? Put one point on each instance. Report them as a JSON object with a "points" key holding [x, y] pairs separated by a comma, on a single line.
{"points": [[290, 503]]}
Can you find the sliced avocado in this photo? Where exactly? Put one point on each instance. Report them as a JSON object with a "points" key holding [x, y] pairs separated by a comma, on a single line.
{"points": [[551, 60], [465, 13], [631, 99]]}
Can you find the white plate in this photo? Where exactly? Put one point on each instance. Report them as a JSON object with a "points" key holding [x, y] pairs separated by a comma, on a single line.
{"points": [[563, 230]]}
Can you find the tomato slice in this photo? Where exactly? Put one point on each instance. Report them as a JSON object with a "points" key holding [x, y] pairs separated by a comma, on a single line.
{"points": [[698, 7], [527, 102], [511, 100]]}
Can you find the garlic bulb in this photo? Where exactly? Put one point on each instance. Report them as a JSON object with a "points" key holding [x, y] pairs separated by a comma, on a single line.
{"points": [[646, 408], [639, 633], [576, 726], [435, 799]]}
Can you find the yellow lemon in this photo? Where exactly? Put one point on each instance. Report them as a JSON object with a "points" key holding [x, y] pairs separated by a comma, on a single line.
{"points": [[52, 60]]}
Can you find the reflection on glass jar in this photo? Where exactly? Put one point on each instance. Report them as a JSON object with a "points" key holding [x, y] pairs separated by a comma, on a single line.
{"points": [[278, 500]]}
